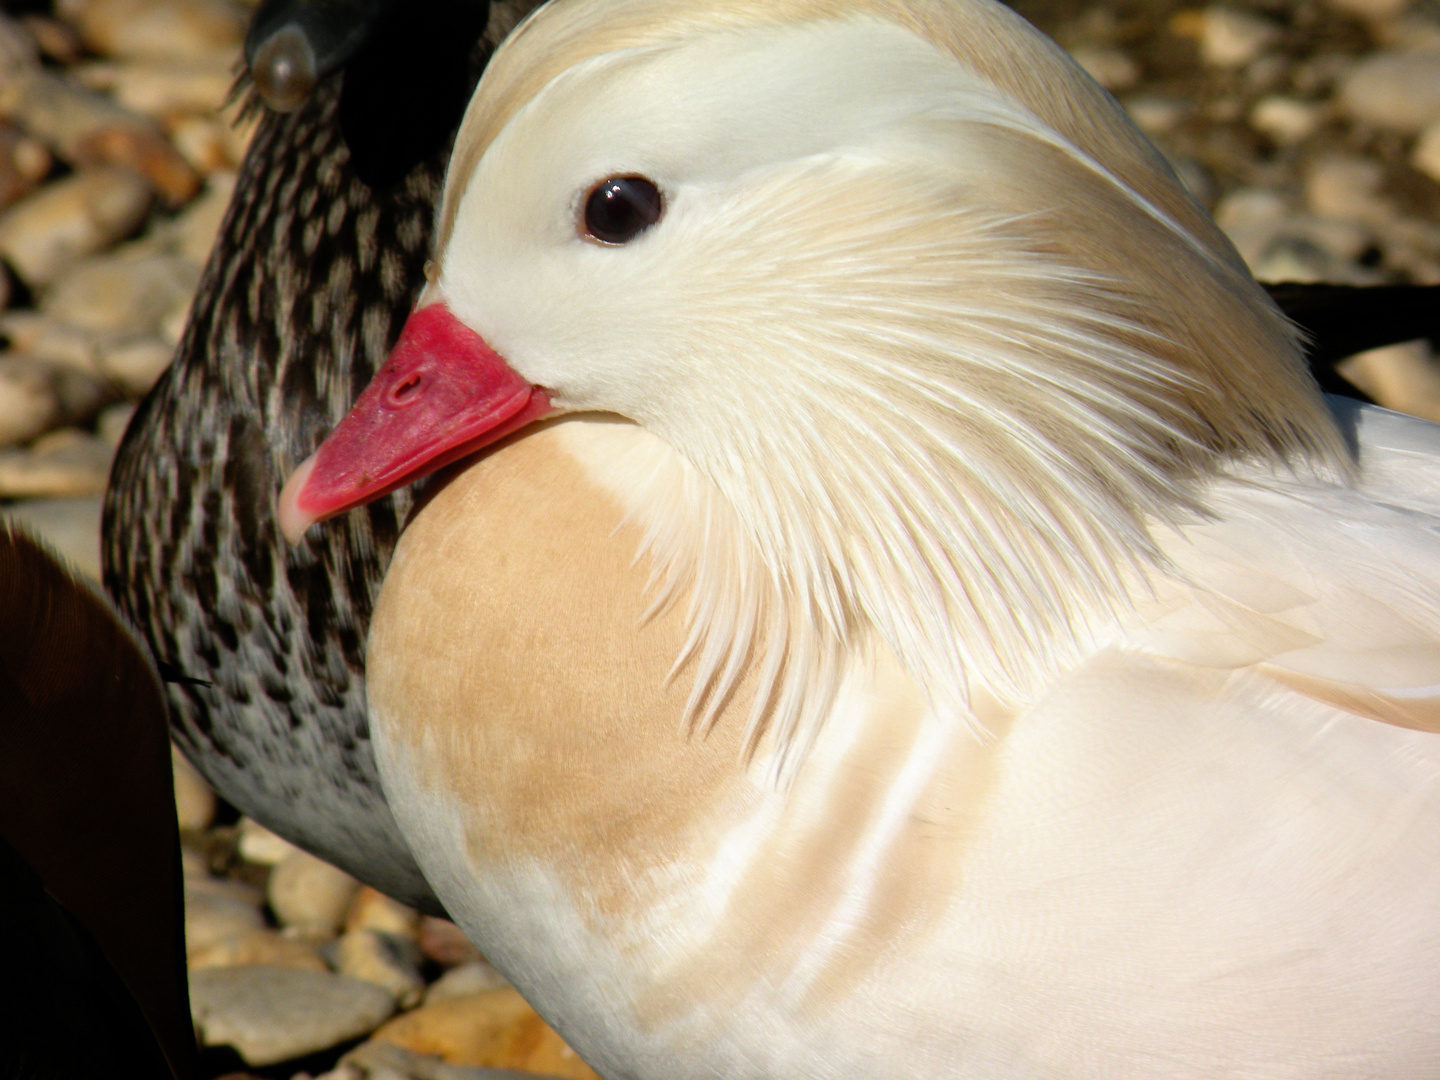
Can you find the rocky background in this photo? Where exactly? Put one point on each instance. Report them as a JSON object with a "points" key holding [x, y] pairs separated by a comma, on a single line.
{"points": [[1311, 128]]}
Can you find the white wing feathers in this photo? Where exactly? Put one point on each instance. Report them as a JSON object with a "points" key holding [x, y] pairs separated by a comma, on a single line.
{"points": [[1333, 592]]}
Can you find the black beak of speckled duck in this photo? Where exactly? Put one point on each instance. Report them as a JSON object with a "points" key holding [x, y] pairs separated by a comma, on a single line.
{"points": [[318, 263]]}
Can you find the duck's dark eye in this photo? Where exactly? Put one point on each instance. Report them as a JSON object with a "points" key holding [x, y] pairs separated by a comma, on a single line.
{"points": [[621, 208]]}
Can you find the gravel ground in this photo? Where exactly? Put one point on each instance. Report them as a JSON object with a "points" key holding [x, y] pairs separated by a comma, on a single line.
{"points": [[1311, 129]]}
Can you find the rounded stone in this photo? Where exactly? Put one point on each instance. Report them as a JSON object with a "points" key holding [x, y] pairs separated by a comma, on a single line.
{"points": [[270, 1014], [309, 895], [1395, 90]]}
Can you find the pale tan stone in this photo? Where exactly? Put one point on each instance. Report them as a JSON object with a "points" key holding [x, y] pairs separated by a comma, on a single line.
{"points": [[310, 895], [46, 233], [194, 801], [169, 29], [373, 910], [257, 948]]}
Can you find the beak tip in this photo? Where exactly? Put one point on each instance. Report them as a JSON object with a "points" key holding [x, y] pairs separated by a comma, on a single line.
{"points": [[294, 521]]}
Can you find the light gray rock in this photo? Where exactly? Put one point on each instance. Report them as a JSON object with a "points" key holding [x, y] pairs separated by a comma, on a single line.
{"points": [[1233, 38], [474, 977], [63, 464], [157, 29], [386, 960], [1395, 90], [70, 526], [121, 294], [213, 914], [270, 1015], [134, 363], [310, 895], [46, 233]]}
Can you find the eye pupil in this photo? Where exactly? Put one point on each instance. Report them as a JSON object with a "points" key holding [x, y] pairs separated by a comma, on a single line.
{"points": [[621, 208]]}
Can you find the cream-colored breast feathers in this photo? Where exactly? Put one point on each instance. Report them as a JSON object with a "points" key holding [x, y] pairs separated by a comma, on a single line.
{"points": [[951, 635], [938, 339]]}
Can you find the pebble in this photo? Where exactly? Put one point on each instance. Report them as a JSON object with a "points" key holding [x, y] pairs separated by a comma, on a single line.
{"points": [[1407, 374], [37, 337], [110, 425], [260, 846], [1252, 218], [157, 29], [62, 464], [495, 1029], [473, 977], [1426, 156], [386, 1061], [445, 943], [1370, 9], [166, 90], [18, 47], [1347, 188], [373, 910], [270, 1015], [212, 915], [1231, 38], [194, 801], [387, 960], [24, 162], [121, 294], [46, 233], [70, 526], [258, 948], [1156, 115], [1395, 90], [134, 363], [57, 40], [30, 401], [86, 128], [1112, 68], [309, 896], [1286, 120]]}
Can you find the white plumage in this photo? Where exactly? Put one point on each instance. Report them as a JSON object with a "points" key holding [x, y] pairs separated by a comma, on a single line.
{"points": [[1054, 676]]}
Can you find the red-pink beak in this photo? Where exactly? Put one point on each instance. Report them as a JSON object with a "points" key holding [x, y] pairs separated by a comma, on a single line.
{"points": [[441, 395]]}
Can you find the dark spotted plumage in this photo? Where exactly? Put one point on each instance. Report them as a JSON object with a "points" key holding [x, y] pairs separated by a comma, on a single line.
{"points": [[311, 279]]}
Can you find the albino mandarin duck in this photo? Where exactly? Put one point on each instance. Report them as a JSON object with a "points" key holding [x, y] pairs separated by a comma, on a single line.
{"points": [[930, 623]]}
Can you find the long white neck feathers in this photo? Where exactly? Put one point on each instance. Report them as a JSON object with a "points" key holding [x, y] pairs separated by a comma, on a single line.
{"points": [[944, 378]]}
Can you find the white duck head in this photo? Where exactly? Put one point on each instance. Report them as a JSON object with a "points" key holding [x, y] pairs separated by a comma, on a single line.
{"points": [[936, 333]]}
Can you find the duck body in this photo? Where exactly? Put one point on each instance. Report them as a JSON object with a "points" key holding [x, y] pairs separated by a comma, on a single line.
{"points": [[264, 644], [940, 630], [1171, 864]]}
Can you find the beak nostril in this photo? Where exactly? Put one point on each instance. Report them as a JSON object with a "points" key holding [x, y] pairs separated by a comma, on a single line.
{"points": [[405, 392]]}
